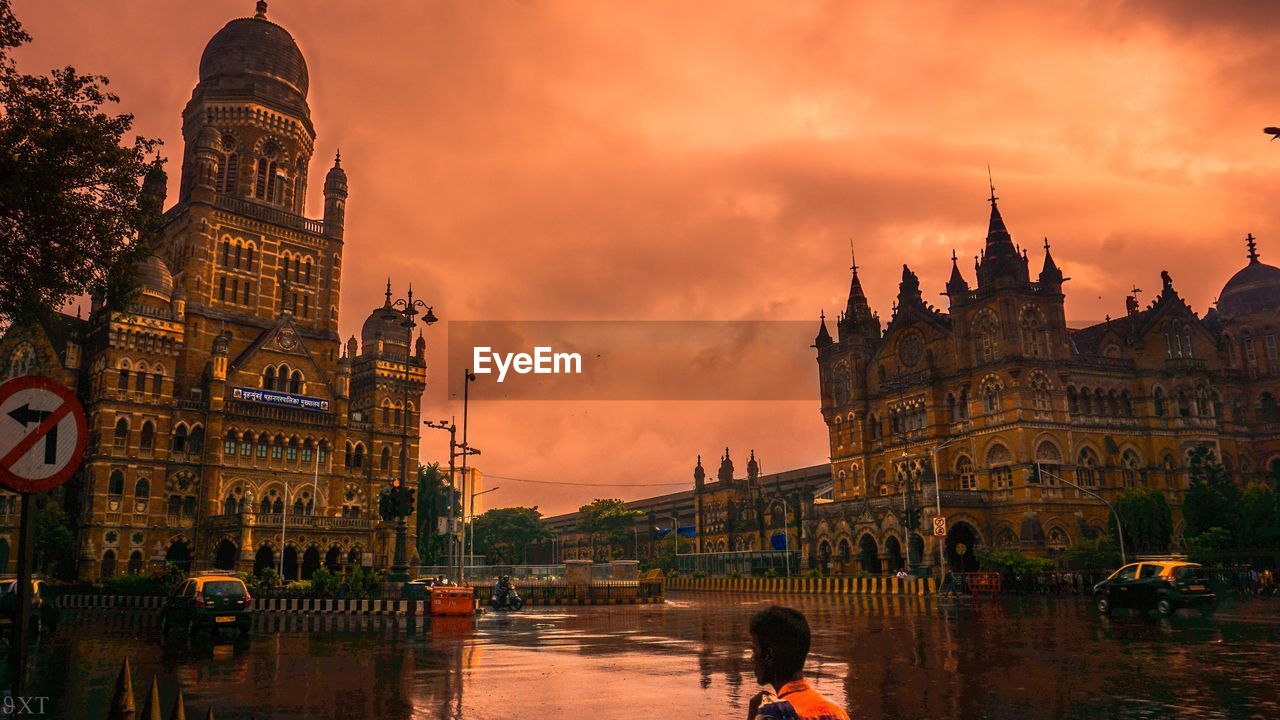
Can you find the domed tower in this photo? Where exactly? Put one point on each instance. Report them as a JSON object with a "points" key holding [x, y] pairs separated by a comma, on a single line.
{"points": [[1254, 289], [253, 94]]}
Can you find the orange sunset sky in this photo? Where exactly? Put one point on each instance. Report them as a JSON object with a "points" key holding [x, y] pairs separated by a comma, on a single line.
{"points": [[539, 160]]}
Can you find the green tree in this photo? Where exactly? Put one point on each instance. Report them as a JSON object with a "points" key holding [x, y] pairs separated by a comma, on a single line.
{"points": [[1147, 520], [503, 535], [433, 508], [1011, 563], [1259, 520], [71, 202], [53, 552], [609, 521], [1207, 547], [1212, 498]]}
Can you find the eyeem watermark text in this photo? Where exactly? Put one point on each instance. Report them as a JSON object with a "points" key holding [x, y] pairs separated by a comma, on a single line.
{"points": [[543, 361]]}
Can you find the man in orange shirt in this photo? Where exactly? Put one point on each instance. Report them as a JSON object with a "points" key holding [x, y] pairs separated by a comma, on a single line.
{"points": [[779, 646]]}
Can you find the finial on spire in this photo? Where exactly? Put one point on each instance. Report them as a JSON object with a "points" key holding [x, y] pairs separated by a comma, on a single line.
{"points": [[1252, 242], [337, 158], [1046, 243], [388, 303], [992, 183], [261, 14], [853, 260]]}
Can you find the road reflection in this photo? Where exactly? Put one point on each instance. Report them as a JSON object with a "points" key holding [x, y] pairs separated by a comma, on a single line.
{"points": [[882, 657]]}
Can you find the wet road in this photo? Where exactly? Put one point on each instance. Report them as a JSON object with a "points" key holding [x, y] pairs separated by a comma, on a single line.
{"points": [[883, 657]]}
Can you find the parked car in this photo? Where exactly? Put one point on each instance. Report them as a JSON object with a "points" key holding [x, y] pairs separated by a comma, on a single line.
{"points": [[43, 612], [213, 600], [1165, 586]]}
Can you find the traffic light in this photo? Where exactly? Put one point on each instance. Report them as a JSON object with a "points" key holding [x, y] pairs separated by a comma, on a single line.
{"points": [[913, 519], [386, 505], [410, 497]]}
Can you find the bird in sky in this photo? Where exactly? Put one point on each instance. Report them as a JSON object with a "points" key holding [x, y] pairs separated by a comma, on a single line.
{"points": [[1274, 132]]}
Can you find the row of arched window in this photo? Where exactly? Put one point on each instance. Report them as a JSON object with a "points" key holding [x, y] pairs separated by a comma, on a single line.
{"points": [[249, 445], [1099, 402], [141, 377], [283, 379], [236, 254], [236, 291]]}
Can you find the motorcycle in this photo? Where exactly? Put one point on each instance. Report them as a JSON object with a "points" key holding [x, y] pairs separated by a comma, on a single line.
{"points": [[513, 601]]}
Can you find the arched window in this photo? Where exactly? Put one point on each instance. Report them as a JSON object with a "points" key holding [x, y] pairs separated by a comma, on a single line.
{"points": [[246, 445], [386, 459], [882, 482], [115, 483], [1158, 398], [968, 479], [277, 448], [1073, 404], [350, 455], [122, 380], [1131, 469], [1086, 401], [307, 446], [1170, 467], [269, 378], [1048, 458], [180, 439], [295, 382], [135, 562], [229, 444], [1088, 472], [1040, 396], [229, 168], [1031, 326], [195, 443], [986, 330], [147, 438], [292, 454], [108, 564], [1056, 539], [1000, 463], [1126, 403], [22, 361], [991, 396], [358, 462], [386, 413], [322, 456], [142, 490], [121, 435]]}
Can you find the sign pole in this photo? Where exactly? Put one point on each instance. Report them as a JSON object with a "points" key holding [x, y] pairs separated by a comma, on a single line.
{"points": [[22, 620]]}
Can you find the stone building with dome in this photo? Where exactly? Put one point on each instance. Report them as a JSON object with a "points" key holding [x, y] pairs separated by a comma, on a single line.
{"points": [[222, 402], [982, 394]]}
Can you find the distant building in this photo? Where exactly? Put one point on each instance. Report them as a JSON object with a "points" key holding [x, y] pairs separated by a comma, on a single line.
{"points": [[221, 398], [999, 384]]}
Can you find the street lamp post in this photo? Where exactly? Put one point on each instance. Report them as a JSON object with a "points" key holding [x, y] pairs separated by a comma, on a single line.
{"points": [[675, 533], [452, 428], [1119, 527], [474, 495], [937, 491], [409, 309], [468, 377]]}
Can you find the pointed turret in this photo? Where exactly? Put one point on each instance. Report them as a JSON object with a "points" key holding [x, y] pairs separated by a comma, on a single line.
{"points": [[957, 286], [335, 199], [824, 338], [726, 468], [699, 475], [154, 189], [1001, 261], [857, 320], [753, 468], [1049, 273]]}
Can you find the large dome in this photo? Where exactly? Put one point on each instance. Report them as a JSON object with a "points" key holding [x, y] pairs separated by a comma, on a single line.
{"points": [[154, 278], [1255, 288], [254, 57], [384, 322]]}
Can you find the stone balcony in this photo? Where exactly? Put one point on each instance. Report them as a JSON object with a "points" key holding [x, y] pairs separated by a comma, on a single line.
{"points": [[236, 521]]}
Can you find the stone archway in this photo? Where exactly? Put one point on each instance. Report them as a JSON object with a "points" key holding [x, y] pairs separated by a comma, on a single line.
{"points": [[844, 555], [961, 547], [264, 560], [290, 563], [893, 554], [333, 558], [224, 557], [824, 557], [310, 562], [178, 555], [869, 554]]}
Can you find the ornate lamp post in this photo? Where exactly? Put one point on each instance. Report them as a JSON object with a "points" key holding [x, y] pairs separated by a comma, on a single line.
{"points": [[408, 307]]}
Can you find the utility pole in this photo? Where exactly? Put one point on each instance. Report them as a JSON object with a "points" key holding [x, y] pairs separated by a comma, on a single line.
{"points": [[409, 308], [451, 515]]}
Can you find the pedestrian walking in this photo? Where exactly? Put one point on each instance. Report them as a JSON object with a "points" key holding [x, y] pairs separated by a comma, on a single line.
{"points": [[779, 646]]}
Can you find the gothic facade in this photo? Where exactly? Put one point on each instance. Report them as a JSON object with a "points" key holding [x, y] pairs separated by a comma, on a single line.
{"points": [[230, 425], [995, 411]]}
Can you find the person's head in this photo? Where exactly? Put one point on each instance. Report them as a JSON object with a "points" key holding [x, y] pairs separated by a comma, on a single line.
{"points": [[779, 644]]}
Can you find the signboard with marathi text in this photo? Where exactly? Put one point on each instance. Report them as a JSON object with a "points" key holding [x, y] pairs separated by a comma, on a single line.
{"points": [[279, 399]]}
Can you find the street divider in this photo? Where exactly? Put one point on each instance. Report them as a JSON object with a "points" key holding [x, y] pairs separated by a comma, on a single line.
{"points": [[808, 586], [323, 606], [597, 592]]}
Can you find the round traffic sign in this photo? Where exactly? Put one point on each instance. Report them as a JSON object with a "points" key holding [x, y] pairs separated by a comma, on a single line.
{"points": [[43, 434]]}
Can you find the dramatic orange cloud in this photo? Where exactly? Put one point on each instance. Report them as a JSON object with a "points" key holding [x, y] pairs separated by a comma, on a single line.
{"points": [[711, 160]]}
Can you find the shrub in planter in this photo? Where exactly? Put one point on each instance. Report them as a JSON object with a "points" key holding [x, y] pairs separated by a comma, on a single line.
{"points": [[815, 574], [771, 573], [699, 574]]}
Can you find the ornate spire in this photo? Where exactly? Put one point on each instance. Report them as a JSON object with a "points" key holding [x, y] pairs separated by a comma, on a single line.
{"points": [[1252, 243], [698, 473], [753, 467], [1049, 272], [1000, 259], [261, 13], [726, 468], [387, 303], [858, 318], [824, 338], [957, 285]]}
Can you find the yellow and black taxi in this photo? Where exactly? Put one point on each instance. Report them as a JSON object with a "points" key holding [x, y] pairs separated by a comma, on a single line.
{"points": [[1165, 586], [208, 600], [43, 612]]}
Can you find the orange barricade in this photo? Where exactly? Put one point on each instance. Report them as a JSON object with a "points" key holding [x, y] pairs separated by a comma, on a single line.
{"points": [[448, 600], [983, 583]]}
